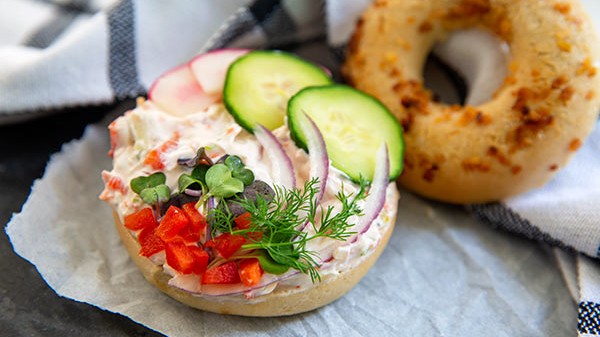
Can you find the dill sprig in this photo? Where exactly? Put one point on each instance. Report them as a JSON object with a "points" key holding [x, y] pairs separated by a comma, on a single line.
{"points": [[281, 222]]}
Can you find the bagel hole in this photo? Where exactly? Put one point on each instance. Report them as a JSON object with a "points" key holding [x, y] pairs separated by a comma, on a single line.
{"points": [[446, 84], [468, 67]]}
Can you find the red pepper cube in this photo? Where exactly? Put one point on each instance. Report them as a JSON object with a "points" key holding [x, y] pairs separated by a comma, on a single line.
{"points": [[200, 259], [170, 225], [197, 226], [150, 243], [179, 256], [141, 219], [250, 272], [226, 273], [227, 244], [242, 221], [210, 244]]}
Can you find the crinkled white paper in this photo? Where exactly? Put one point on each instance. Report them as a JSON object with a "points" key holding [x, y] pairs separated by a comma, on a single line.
{"points": [[442, 273]]}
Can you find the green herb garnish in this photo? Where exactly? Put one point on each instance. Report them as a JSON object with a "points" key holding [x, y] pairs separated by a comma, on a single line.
{"points": [[238, 171], [222, 180], [152, 188], [281, 220], [196, 180], [221, 183]]}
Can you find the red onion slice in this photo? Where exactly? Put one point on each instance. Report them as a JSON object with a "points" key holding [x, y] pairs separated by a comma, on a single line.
{"points": [[326, 70], [192, 192], [281, 164], [377, 192], [216, 290], [317, 152], [239, 289], [373, 205]]}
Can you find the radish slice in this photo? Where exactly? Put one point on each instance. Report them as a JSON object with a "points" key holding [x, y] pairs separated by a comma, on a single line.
{"points": [[281, 165], [178, 92], [376, 198], [210, 68], [317, 152]]}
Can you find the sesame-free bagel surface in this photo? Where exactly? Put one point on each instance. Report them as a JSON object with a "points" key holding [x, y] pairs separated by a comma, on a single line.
{"points": [[537, 119]]}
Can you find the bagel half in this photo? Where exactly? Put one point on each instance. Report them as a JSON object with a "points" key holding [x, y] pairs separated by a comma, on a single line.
{"points": [[237, 222], [518, 140], [281, 302]]}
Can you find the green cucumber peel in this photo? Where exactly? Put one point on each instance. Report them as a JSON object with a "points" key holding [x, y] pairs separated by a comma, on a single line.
{"points": [[353, 124], [259, 84]]}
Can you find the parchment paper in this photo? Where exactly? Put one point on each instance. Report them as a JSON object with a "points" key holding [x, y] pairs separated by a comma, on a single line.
{"points": [[442, 273]]}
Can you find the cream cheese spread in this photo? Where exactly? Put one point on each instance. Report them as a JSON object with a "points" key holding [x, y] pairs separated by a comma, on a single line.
{"points": [[147, 128]]}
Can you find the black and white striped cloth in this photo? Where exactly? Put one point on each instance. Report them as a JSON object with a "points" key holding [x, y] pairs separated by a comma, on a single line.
{"points": [[62, 53]]}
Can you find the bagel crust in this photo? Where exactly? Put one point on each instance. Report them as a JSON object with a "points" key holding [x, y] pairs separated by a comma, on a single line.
{"points": [[280, 302], [537, 119]]}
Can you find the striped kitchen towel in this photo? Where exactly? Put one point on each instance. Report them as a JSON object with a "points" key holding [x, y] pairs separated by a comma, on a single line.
{"points": [[566, 214], [56, 54]]}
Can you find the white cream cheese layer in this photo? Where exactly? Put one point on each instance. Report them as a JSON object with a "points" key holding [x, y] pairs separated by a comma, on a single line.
{"points": [[146, 130]]}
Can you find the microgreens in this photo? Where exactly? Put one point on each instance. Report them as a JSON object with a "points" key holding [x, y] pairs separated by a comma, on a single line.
{"points": [[281, 220], [221, 180], [276, 235], [196, 180], [238, 171], [221, 183], [152, 189]]}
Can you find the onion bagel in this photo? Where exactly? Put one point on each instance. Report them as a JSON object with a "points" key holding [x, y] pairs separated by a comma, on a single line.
{"points": [[539, 116]]}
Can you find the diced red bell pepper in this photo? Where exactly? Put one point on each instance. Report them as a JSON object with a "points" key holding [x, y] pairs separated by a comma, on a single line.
{"points": [[242, 221], [210, 244], [226, 273], [227, 244], [172, 222], [250, 272], [200, 259], [180, 256], [186, 259], [197, 226], [141, 219], [150, 243]]}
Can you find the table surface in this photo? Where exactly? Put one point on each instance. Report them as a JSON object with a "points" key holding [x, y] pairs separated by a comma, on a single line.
{"points": [[28, 307]]}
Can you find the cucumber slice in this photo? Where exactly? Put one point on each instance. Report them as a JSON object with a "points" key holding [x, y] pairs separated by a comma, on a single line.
{"points": [[353, 125], [259, 84]]}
